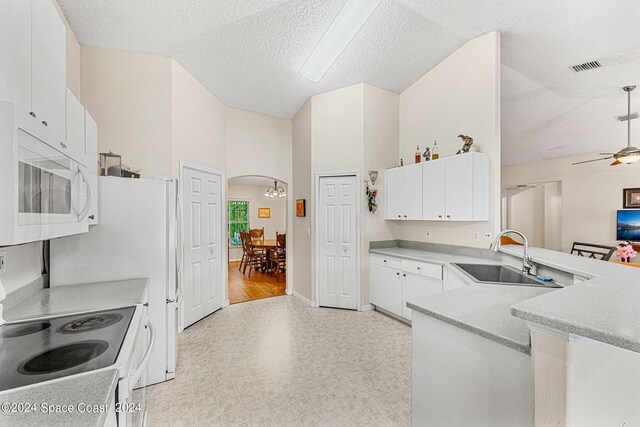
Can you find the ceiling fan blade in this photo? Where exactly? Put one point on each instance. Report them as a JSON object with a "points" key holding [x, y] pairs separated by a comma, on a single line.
{"points": [[606, 154], [616, 163], [594, 160]]}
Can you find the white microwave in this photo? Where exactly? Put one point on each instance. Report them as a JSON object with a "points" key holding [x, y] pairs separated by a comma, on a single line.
{"points": [[44, 192]]}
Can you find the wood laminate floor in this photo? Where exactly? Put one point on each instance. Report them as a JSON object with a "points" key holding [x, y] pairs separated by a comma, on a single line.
{"points": [[244, 288]]}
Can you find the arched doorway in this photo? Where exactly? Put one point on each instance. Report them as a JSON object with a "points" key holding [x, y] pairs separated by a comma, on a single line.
{"points": [[260, 271]]}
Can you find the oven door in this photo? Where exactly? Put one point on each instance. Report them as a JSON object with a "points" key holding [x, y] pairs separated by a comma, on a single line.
{"points": [[133, 394], [53, 189]]}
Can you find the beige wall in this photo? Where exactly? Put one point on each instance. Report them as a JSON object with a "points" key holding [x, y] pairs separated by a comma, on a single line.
{"points": [[129, 96], [380, 153], [459, 95], [258, 145], [255, 195], [300, 258], [591, 194], [198, 131], [526, 214]]}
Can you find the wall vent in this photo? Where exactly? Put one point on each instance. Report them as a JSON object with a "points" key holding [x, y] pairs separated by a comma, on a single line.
{"points": [[586, 66], [624, 117]]}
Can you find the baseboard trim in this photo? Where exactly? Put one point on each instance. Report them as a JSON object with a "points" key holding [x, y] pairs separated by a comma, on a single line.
{"points": [[367, 307], [303, 298], [226, 304]]}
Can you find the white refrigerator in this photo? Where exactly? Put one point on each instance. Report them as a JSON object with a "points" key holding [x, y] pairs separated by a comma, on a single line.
{"points": [[136, 237]]}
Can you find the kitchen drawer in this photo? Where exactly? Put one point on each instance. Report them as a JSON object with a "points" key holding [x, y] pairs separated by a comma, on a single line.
{"points": [[385, 261], [422, 268]]}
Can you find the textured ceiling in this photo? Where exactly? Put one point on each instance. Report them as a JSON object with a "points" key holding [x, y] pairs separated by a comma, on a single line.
{"points": [[249, 54]]}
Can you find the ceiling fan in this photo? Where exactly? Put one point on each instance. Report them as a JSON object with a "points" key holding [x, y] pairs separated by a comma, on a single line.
{"points": [[628, 154]]}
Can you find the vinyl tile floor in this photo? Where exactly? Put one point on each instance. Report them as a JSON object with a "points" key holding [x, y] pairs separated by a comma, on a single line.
{"points": [[279, 362]]}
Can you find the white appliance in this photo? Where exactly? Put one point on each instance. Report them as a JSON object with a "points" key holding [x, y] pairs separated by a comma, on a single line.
{"points": [[136, 238], [45, 191]]}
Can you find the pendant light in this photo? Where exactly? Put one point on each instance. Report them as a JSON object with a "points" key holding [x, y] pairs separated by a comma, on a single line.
{"points": [[275, 191]]}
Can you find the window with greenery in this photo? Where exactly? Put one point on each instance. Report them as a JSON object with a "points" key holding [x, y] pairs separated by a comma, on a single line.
{"points": [[238, 214]]}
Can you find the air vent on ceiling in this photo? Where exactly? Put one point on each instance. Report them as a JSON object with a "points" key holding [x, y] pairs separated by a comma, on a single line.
{"points": [[624, 117], [586, 66]]}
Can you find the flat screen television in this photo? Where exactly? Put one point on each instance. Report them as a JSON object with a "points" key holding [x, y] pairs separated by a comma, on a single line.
{"points": [[628, 227]]}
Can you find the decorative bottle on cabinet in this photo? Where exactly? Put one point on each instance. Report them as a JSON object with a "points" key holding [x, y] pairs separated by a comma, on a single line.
{"points": [[434, 152], [418, 155]]}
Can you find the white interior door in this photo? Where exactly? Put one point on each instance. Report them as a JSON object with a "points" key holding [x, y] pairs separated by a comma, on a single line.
{"points": [[337, 244], [203, 249]]}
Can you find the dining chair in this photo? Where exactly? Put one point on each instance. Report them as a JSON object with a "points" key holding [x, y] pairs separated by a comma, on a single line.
{"points": [[257, 233], [594, 251], [244, 249], [255, 259], [278, 256]]}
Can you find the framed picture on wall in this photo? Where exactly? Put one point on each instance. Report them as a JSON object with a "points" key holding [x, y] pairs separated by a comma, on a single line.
{"points": [[300, 208], [631, 199], [264, 212]]}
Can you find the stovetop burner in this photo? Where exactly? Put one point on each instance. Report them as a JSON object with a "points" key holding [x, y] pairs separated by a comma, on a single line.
{"points": [[24, 329], [90, 323], [63, 357]]}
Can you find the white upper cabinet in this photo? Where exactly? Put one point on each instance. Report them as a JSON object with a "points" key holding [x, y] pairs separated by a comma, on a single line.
{"points": [[15, 52], [412, 192], [403, 188], [75, 126], [433, 190], [33, 64], [454, 188], [48, 67], [467, 187], [394, 193]]}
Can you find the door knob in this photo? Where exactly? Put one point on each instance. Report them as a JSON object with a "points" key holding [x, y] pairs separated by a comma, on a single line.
{"points": [[211, 250], [344, 249]]}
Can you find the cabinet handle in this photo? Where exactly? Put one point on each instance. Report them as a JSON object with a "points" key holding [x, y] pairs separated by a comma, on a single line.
{"points": [[418, 268], [44, 122], [384, 260], [399, 216], [405, 216], [32, 114], [404, 275], [448, 216], [63, 145], [439, 216], [397, 274]]}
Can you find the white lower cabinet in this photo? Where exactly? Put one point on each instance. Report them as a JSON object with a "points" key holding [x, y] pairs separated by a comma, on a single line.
{"points": [[393, 282], [414, 286]]}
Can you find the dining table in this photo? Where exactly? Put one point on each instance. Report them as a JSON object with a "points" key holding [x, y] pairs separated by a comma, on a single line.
{"points": [[267, 245]]}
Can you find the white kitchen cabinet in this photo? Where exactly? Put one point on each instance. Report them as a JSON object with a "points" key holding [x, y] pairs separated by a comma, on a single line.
{"points": [[433, 190], [414, 286], [75, 132], [15, 52], [48, 67], [386, 288], [394, 281], [403, 189], [394, 193], [412, 192], [454, 188], [91, 154]]}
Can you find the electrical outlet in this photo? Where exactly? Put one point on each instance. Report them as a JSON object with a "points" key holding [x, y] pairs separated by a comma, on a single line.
{"points": [[487, 236], [476, 236], [3, 262], [428, 234]]}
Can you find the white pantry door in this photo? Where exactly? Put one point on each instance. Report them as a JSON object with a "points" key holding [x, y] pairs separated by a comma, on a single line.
{"points": [[337, 242], [203, 249]]}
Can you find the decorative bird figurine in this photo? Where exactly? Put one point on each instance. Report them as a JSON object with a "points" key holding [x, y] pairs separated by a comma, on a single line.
{"points": [[468, 142]]}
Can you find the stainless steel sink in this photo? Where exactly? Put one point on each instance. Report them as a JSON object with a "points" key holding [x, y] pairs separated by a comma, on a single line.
{"points": [[499, 274]]}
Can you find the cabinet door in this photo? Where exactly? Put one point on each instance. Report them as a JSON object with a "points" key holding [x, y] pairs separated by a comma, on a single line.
{"points": [[459, 187], [414, 286], [75, 127], [48, 67], [433, 190], [412, 196], [394, 193], [15, 51], [386, 288], [91, 153]]}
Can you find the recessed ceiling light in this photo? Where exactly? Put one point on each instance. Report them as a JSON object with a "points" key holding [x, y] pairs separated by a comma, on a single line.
{"points": [[349, 20]]}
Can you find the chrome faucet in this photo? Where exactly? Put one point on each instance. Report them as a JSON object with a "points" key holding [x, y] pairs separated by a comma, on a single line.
{"points": [[526, 260]]}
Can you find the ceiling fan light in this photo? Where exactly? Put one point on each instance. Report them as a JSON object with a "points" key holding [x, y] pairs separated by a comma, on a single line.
{"points": [[629, 159]]}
